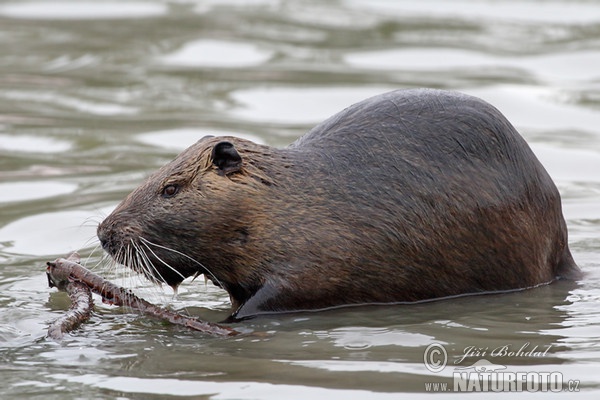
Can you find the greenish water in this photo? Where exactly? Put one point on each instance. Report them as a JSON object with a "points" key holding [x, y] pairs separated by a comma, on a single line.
{"points": [[95, 95]]}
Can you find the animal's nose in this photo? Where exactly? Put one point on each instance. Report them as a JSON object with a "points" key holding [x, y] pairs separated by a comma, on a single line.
{"points": [[103, 237]]}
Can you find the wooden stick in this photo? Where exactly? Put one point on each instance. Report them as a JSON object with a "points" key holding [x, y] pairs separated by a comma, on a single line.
{"points": [[81, 305], [64, 273]]}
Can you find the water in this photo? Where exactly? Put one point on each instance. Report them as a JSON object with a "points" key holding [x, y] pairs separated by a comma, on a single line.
{"points": [[95, 95]]}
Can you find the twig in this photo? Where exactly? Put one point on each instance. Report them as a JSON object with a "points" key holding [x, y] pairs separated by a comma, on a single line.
{"points": [[81, 305], [64, 273]]}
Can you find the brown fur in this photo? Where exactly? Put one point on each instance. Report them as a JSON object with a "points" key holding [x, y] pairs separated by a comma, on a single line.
{"points": [[407, 196]]}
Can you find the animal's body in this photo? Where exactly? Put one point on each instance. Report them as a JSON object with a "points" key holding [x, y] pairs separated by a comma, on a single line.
{"points": [[406, 196]]}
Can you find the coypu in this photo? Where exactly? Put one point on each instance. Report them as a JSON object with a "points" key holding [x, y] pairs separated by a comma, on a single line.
{"points": [[406, 196]]}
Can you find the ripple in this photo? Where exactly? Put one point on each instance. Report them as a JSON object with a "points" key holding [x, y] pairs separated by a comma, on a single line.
{"points": [[298, 105], [230, 389], [82, 10], [355, 366], [372, 337], [69, 102], [586, 212], [50, 233], [182, 138], [80, 356], [420, 59], [571, 165], [65, 63], [23, 191], [207, 5], [217, 53], [569, 66], [579, 66], [537, 107], [523, 11], [33, 144]]}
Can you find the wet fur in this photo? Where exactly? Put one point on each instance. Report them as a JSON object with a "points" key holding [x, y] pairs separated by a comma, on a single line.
{"points": [[406, 196]]}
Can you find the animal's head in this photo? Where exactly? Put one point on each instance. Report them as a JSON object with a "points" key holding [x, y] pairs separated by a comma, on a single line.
{"points": [[194, 215]]}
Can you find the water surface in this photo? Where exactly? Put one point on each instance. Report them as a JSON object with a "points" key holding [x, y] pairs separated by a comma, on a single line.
{"points": [[95, 95]]}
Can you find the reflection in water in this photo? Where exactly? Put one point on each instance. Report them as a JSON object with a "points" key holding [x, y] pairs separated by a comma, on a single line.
{"points": [[181, 139], [217, 54], [573, 66], [32, 144], [24, 191], [282, 105], [96, 95], [82, 10]]}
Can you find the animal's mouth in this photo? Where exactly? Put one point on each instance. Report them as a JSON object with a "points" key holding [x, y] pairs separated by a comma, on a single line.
{"points": [[152, 264], [161, 271], [157, 262]]}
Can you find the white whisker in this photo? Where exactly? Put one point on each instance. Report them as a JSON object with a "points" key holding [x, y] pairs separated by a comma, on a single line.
{"points": [[162, 261], [145, 265], [148, 242], [148, 266]]}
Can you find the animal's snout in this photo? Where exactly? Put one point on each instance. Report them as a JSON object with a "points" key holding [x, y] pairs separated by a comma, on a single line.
{"points": [[115, 233], [103, 236]]}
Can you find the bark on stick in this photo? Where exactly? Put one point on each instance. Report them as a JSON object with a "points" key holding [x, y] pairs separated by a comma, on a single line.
{"points": [[68, 275]]}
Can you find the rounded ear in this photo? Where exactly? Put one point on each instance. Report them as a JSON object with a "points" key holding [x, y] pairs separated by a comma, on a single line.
{"points": [[226, 158]]}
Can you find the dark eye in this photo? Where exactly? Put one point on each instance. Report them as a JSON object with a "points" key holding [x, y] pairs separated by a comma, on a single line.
{"points": [[170, 190]]}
